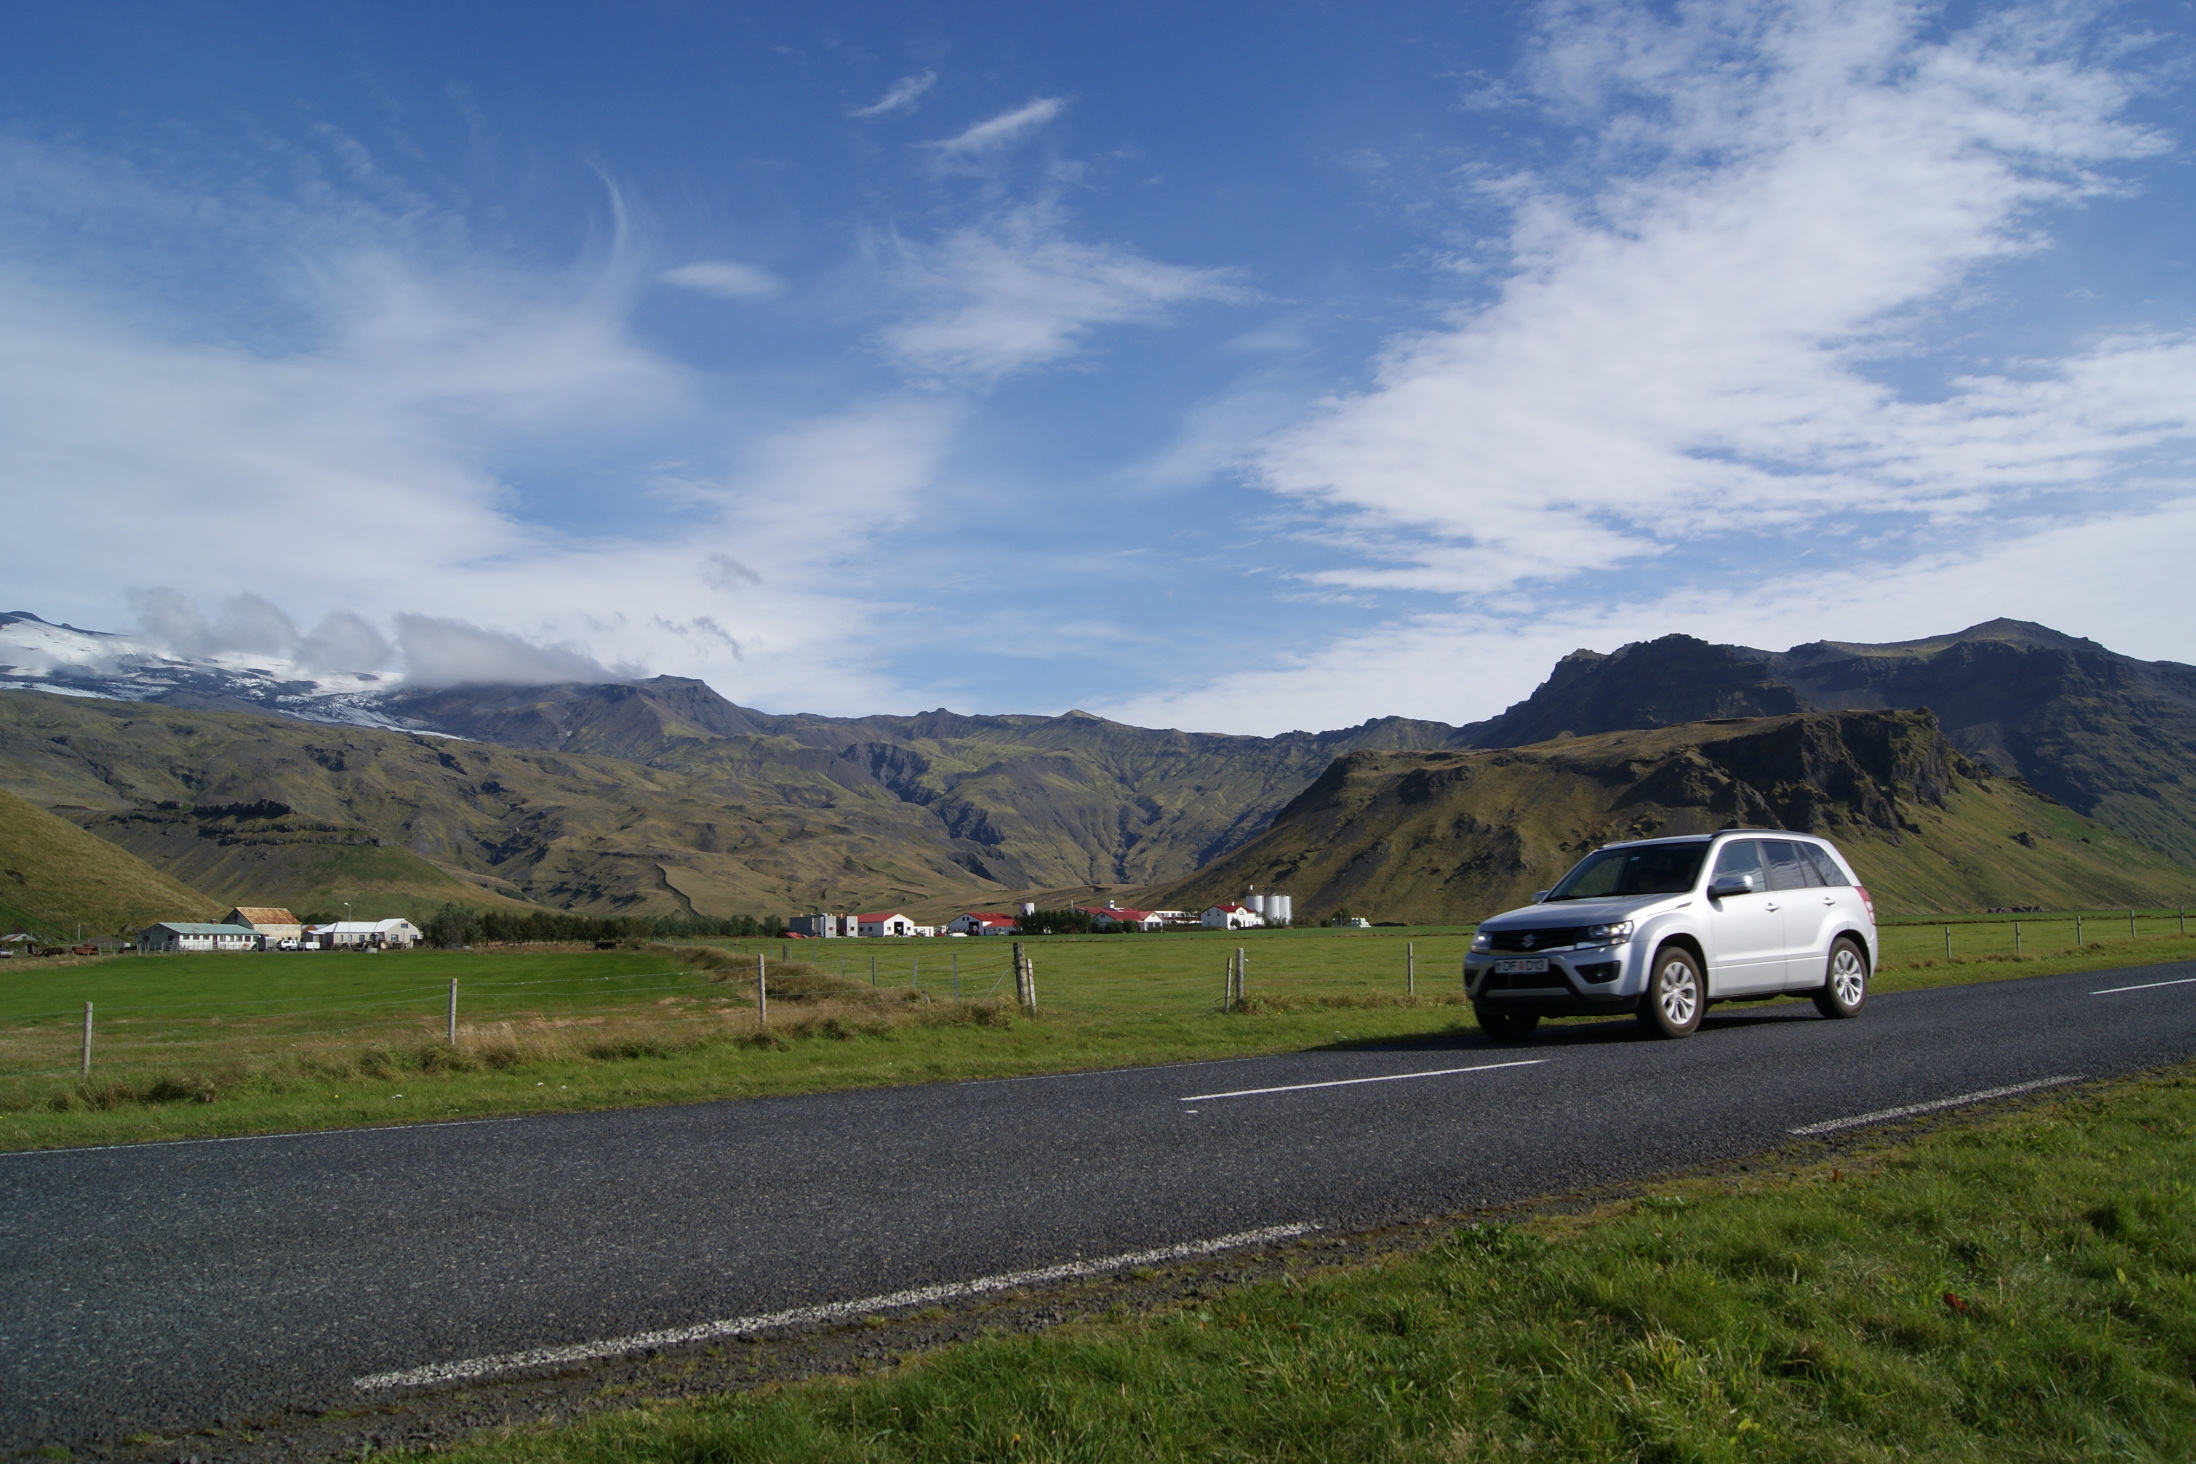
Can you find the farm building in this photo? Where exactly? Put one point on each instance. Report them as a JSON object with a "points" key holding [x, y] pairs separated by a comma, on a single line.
{"points": [[379, 935], [982, 922], [885, 923], [825, 927], [197, 935], [271, 921], [1232, 917]]}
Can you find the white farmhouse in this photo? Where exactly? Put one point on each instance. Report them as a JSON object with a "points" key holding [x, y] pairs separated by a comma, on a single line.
{"points": [[1232, 917], [982, 922], [885, 923], [378, 935]]}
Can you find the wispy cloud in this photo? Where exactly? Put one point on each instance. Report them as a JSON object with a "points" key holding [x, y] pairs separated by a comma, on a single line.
{"points": [[1771, 201], [726, 279], [1016, 291], [997, 132], [900, 96]]}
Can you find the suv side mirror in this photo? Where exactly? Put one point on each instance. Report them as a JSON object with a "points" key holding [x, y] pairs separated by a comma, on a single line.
{"points": [[1730, 884], [1539, 895]]}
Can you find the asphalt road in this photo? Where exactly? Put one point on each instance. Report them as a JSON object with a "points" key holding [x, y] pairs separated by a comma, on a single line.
{"points": [[158, 1286]]}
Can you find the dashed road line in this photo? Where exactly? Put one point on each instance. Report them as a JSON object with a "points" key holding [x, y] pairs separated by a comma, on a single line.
{"points": [[1831, 1126], [835, 1311], [2146, 986], [1351, 1082]]}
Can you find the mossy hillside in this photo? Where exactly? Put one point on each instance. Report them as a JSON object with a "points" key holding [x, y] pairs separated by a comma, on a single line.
{"points": [[53, 875], [1455, 835]]}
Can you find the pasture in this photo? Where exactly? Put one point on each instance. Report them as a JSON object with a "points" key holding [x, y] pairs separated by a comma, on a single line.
{"points": [[202, 1045]]}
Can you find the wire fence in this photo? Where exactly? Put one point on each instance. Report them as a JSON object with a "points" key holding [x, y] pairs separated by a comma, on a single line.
{"points": [[137, 1018]]}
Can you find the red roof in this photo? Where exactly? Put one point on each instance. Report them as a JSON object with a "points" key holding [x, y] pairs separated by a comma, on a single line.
{"points": [[879, 917], [1235, 909]]}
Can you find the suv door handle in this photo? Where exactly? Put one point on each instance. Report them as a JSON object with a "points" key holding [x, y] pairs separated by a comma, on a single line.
{"points": [[1829, 899], [1770, 905]]}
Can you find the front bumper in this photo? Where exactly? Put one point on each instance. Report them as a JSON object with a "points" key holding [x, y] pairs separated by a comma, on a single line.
{"points": [[1579, 982]]}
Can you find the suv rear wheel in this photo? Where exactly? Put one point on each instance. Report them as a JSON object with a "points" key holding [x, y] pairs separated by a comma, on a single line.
{"points": [[1504, 1026], [1673, 1001], [1845, 985]]}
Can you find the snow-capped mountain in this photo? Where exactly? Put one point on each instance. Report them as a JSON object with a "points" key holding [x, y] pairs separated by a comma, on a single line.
{"points": [[37, 655]]}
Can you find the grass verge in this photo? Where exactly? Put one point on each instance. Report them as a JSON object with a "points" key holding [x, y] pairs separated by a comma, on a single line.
{"points": [[2018, 1287]]}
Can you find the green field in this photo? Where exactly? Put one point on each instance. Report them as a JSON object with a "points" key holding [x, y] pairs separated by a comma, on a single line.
{"points": [[201, 1045], [2022, 1287]]}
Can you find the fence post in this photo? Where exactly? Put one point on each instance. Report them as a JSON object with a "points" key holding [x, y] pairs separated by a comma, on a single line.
{"points": [[2131, 925], [762, 993], [87, 1041], [915, 973], [2077, 932], [1242, 975], [453, 1011], [2016, 940], [1410, 968], [956, 975], [872, 970], [1948, 942]]}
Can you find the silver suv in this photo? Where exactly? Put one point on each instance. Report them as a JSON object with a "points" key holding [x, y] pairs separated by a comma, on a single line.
{"points": [[1663, 927]]}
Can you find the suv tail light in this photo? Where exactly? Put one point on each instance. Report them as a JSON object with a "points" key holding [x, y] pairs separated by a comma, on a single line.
{"points": [[1866, 903]]}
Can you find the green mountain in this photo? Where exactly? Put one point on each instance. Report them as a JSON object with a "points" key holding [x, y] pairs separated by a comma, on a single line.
{"points": [[1457, 835], [662, 797], [2109, 736], [55, 877], [1019, 802]]}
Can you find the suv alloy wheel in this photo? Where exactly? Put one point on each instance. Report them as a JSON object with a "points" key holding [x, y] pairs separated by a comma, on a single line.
{"points": [[1674, 999]]}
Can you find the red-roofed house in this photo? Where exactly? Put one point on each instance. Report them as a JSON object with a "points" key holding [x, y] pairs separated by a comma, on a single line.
{"points": [[982, 922], [888, 923], [1232, 917]]}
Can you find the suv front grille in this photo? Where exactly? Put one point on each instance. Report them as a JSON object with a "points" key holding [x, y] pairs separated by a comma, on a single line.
{"points": [[1553, 938]]}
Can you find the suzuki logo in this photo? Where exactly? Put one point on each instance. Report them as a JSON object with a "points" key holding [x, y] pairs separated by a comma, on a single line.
{"points": [[1528, 942]]}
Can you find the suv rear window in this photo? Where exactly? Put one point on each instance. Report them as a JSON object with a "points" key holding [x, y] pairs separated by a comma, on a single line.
{"points": [[1787, 870], [1656, 869], [1826, 868]]}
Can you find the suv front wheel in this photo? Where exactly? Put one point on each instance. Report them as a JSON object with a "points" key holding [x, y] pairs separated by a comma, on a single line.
{"points": [[1672, 1003], [1845, 985]]}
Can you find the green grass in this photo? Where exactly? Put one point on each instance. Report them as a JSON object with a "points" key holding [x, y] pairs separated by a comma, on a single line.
{"points": [[195, 1046], [2020, 1289]]}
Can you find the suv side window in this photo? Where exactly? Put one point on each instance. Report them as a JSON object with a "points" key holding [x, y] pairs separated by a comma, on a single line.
{"points": [[1787, 871], [1826, 868], [1740, 856]]}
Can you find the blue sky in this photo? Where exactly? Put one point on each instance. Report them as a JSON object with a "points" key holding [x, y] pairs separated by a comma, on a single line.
{"points": [[1236, 367]]}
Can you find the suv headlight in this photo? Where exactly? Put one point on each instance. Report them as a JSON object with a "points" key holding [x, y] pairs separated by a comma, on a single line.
{"points": [[1481, 941], [1616, 934]]}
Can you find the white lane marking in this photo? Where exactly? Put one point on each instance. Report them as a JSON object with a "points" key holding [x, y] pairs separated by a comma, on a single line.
{"points": [[333, 1133], [835, 1311], [1349, 1082], [2146, 986], [1833, 1125]]}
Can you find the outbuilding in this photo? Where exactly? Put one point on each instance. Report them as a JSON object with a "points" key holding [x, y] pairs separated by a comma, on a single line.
{"points": [[271, 921], [1232, 917], [196, 935]]}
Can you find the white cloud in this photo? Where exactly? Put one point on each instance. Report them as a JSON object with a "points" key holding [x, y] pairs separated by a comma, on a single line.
{"points": [[2104, 578], [1778, 198], [997, 132], [726, 279], [899, 96], [444, 652], [1015, 291]]}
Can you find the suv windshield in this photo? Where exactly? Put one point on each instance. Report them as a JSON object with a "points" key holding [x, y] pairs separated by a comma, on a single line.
{"points": [[1655, 869]]}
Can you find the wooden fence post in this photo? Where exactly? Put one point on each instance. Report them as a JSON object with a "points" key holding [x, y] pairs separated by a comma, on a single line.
{"points": [[453, 1011], [87, 1041], [1410, 968], [762, 993]]}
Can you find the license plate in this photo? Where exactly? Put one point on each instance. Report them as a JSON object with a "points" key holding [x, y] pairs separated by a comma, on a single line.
{"points": [[1523, 966]]}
